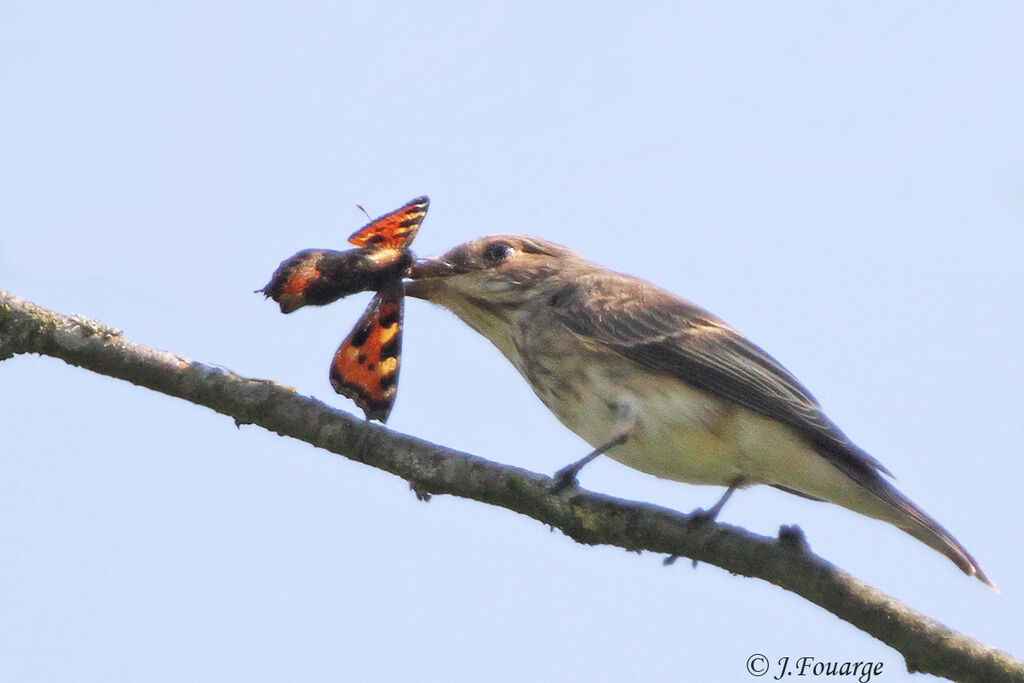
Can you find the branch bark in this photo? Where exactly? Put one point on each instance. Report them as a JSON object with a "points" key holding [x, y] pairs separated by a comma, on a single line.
{"points": [[590, 518]]}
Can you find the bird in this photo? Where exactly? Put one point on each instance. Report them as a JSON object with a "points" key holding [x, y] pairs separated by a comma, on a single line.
{"points": [[660, 384]]}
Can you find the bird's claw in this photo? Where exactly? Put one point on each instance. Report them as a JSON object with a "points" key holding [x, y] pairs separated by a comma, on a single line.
{"points": [[564, 478]]}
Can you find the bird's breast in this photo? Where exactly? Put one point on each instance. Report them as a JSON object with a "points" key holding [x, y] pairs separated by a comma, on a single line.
{"points": [[673, 429]]}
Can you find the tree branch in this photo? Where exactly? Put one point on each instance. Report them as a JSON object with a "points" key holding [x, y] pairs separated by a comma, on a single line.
{"points": [[587, 517]]}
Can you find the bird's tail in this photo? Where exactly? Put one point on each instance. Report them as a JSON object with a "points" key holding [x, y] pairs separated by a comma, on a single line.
{"points": [[916, 522]]}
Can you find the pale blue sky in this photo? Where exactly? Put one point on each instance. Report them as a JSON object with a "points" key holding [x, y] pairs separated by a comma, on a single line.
{"points": [[844, 182]]}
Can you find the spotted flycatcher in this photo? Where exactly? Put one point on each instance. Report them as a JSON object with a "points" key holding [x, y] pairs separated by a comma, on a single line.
{"points": [[658, 383]]}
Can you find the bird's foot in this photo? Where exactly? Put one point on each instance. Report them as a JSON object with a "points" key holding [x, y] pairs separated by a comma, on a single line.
{"points": [[702, 516], [564, 478]]}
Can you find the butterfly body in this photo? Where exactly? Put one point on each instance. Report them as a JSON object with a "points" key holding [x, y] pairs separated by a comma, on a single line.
{"points": [[365, 366], [317, 277]]}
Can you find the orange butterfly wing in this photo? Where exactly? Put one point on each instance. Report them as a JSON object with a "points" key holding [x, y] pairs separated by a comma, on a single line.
{"points": [[365, 367], [394, 230]]}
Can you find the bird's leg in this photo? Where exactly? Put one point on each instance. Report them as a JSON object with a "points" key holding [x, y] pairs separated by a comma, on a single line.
{"points": [[707, 516], [711, 513], [566, 477], [624, 423]]}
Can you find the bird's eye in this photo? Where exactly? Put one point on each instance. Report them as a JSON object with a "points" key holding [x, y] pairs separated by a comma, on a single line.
{"points": [[498, 252]]}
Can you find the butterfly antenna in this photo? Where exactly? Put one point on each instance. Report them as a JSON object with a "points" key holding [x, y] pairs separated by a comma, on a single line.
{"points": [[360, 207]]}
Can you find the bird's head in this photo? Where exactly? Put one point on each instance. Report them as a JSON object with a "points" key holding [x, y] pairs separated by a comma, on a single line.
{"points": [[493, 271], [490, 282]]}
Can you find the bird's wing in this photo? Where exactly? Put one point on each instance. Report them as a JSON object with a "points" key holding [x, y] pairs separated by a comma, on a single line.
{"points": [[665, 333]]}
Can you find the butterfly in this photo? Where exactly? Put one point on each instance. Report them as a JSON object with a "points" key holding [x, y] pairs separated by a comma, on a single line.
{"points": [[365, 366]]}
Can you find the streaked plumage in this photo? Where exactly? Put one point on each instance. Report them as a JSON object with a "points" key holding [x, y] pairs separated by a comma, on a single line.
{"points": [[613, 355]]}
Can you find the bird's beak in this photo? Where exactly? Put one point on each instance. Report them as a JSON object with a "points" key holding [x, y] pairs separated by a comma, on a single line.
{"points": [[435, 267]]}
